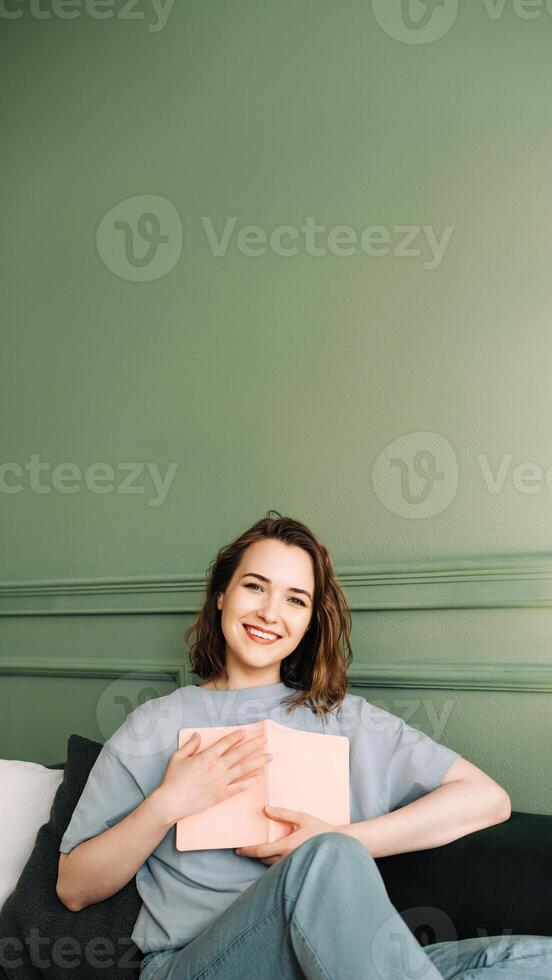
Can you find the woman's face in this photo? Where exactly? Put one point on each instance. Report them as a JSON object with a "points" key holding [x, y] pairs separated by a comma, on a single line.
{"points": [[261, 595]]}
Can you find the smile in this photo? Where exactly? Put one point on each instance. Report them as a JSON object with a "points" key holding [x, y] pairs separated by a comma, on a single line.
{"points": [[260, 636]]}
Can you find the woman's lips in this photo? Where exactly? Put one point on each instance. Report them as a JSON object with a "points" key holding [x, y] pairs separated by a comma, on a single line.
{"points": [[259, 639]]}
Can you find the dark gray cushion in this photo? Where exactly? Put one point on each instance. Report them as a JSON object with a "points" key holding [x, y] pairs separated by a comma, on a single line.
{"points": [[494, 881], [39, 937]]}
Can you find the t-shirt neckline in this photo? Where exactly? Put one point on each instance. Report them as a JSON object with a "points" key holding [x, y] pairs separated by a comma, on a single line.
{"points": [[263, 692]]}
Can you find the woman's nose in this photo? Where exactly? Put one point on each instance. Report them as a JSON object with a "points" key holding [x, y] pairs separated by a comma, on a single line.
{"points": [[269, 610]]}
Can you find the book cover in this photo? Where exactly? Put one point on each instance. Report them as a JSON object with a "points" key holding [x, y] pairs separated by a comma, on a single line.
{"points": [[308, 771]]}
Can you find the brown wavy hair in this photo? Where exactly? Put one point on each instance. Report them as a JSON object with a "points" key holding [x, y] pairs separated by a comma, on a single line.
{"points": [[317, 668]]}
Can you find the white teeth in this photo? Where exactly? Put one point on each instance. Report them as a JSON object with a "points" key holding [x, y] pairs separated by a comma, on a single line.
{"points": [[265, 636]]}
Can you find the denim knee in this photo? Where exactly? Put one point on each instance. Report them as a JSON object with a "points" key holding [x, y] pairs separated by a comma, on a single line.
{"points": [[332, 839]]}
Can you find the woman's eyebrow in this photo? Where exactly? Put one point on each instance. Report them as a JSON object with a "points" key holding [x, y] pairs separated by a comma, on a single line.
{"points": [[263, 578]]}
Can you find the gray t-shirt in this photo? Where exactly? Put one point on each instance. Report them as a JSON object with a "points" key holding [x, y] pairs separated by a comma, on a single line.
{"points": [[390, 763]]}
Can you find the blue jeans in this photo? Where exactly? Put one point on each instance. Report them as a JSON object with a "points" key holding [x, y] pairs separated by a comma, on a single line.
{"points": [[323, 912]]}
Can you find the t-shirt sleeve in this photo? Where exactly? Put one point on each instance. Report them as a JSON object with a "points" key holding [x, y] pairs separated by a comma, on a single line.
{"points": [[416, 765], [406, 763], [110, 794]]}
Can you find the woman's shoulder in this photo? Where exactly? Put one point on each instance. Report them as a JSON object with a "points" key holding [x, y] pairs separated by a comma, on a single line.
{"points": [[344, 716], [150, 726], [355, 712]]}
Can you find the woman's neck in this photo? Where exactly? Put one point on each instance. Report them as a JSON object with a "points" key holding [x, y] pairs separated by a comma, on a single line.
{"points": [[220, 683]]}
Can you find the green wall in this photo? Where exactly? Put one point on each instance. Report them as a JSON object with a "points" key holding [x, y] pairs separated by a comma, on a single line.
{"points": [[268, 380]]}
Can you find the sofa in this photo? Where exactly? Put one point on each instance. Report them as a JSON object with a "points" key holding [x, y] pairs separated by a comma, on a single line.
{"points": [[497, 881]]}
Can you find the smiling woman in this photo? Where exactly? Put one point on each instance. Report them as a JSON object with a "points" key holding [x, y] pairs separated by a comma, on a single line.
{"points": [[272, 641], [274, 587]]}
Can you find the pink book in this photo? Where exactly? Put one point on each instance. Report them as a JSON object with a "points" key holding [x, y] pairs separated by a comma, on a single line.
{"points": [[308, 771]]}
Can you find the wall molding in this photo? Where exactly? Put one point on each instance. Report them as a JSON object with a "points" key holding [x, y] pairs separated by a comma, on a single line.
{"points": [[477, 676], [507, 582], [431, 676], [112, 669]]}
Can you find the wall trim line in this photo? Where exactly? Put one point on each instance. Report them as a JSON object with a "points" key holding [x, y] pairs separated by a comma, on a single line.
{"points": [[530, 677], [507, 582]]}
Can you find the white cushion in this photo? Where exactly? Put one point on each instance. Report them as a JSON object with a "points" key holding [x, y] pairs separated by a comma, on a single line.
{"points": [[27, 791]]}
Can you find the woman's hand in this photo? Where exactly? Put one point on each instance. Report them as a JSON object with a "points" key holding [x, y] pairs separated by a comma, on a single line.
{"points": [[195, 781], [303, 826]]}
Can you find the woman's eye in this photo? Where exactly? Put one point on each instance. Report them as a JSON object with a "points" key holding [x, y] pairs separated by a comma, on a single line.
{"points": [[255, 585]]}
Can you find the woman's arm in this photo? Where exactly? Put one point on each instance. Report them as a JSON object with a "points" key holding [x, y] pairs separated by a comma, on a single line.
{"points": [[101, 866], [461, 805]]}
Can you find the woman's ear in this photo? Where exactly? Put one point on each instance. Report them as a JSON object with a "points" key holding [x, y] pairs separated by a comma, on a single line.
{"points": [[219, 600]]}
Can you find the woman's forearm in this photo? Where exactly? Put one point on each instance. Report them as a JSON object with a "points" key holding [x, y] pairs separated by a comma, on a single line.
{"points": [[101, 866], [451, 811]]}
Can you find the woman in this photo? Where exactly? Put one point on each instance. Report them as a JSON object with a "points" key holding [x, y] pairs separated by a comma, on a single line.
{"points": [[273, 640]]}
